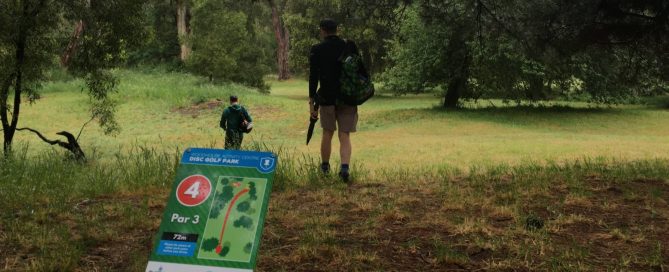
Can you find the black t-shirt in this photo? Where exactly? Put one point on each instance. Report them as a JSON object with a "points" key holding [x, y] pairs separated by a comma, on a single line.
{"points": [[325, 67]]}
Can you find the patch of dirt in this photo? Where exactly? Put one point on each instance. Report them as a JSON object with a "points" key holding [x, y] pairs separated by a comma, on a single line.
{"points": [[264, 113], [410, 227], [196, 109], [258, 112], [402, 232], [611, 234], [119, 253]]}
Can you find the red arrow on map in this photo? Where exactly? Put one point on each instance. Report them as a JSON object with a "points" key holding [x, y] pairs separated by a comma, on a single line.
{"points": [[219, 248]]}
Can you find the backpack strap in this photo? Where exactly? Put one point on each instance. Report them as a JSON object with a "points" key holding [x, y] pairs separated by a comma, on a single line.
{"points": [[346, 52]]}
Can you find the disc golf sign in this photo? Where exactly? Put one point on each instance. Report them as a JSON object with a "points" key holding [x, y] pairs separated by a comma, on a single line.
{"points": [[215, 213]]}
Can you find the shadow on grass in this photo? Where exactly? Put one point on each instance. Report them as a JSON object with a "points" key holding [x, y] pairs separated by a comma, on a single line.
{"points": [[524, 115], [533, 109], [533, 114]]}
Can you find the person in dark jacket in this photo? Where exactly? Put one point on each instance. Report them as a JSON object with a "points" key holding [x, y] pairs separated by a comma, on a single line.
{"points": [[325, 68], [231, 121]]}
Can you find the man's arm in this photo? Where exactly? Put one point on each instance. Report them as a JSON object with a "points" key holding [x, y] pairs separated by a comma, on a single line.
{"points": [[247, 115], [223, 119], [314, 72]]}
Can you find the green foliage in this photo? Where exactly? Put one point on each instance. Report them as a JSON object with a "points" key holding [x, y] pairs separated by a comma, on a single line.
{"points": [[225, 40], [221, 200], [253, 192], [417, 57], [100, 85], [225, 181], [35, 28], [244, 222], [161, 42], [536, 50], [209, 244], [35, 33], [226, 195], [225, 250], [366, 22], [248, 247], [244, 206], [105, 44]]}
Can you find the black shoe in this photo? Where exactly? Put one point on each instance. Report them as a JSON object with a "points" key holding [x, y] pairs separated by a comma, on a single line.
{"points": [[345, 176], [325, 168]]}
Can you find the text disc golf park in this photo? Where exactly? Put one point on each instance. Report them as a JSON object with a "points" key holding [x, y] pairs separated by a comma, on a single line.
{"points": [[342, 135]]}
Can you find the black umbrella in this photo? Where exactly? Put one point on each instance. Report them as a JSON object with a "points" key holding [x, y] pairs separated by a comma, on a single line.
{"points": [[312, 124]]}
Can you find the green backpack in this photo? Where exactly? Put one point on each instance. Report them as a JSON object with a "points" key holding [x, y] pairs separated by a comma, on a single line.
{"points": [[356, 85]]}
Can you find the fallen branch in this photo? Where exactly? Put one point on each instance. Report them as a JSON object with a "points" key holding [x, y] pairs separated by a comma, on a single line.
{"points": [[71, 145]]}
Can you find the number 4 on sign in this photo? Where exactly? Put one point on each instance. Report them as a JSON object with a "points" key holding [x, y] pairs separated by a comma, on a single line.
{"points": [[193, 190]]}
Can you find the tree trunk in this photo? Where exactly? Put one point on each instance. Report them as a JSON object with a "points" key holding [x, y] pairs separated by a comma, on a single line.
{"points": [[7, 132], [9, 128], [26, 22], [536, 88], [459, 73], [72, 46], [282, 40], [367, 58], [18, 89], [183, 28]]}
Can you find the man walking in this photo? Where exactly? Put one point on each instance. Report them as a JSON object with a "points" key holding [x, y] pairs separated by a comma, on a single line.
{"points": [[232, 121], [325, 67]]}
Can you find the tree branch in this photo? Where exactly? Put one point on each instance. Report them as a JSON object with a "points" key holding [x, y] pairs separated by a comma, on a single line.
{"points": [[82, 127], [51, 142], [504, 26], [72, 145], [636, 15]]}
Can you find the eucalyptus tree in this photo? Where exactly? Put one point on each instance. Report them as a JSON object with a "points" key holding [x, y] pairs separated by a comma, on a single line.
{"points": [[368, 23], [34, 35], [232, 41], [606, 50]]}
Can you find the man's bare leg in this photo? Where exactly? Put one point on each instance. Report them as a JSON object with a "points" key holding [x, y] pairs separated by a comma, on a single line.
{"points": [[326, 149], [345, 148]]}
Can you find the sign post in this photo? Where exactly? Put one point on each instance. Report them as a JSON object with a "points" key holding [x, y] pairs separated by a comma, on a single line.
{"points": [[215, 213]]}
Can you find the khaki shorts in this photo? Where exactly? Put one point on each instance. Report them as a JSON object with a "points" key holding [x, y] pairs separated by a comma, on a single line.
{"points": [[344, 117]]}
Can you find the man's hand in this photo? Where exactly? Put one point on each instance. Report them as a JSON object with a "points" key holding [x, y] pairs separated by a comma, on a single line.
{"points": [[312, 109]]}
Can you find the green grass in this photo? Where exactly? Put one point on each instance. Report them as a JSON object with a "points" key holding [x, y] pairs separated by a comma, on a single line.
{"points": [[156, 110], [596, 214], [435, 189]]}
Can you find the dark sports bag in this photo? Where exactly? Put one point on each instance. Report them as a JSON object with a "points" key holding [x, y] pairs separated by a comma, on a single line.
{"points": [[245, 126], [356, 85]]}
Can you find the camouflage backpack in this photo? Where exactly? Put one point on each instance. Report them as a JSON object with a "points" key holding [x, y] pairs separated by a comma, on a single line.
{"points": [[356, 85]]}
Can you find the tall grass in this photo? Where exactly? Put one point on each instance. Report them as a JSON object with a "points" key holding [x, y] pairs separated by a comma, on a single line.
{"points": [[50, 176], [43, 227], [295, 169], [175, 88]]}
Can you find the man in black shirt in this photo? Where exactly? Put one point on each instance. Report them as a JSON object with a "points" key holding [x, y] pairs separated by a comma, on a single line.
{"points": [[325, 67]]}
